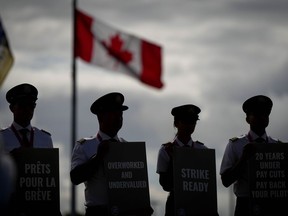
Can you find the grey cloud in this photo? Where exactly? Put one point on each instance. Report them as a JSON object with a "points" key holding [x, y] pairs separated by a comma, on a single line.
{"points": [[278, 81], [28, 10]]}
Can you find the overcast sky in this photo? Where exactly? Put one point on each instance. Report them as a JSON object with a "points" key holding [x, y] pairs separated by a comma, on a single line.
{"points": [[216, 54]]}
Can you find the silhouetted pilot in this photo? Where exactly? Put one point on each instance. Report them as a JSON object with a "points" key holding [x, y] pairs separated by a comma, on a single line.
{"points": [[21, 134], [185, 119], [88, 153], [234, 166], [22, 99]]}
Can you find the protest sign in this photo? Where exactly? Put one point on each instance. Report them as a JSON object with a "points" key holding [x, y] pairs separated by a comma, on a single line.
{"points": [[268, 180], [194, 181], [37, 188], [127, 178]]}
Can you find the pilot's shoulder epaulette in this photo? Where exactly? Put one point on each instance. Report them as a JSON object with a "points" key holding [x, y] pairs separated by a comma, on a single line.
{"points": [[81, 141], [199, 142], [3, 129], [46, 132], [169, 144], [234, 139]]}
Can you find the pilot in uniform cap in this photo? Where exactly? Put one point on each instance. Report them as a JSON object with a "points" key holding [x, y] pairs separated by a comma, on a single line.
{"points": [[22, 93], [186, 113], [258, 104], [109, 102]]}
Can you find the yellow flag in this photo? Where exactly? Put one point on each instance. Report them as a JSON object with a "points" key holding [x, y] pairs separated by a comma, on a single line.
{"points": [[6, 57]]}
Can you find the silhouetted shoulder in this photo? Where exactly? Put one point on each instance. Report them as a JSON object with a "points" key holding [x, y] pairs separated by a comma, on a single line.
{"points": [[234, 139], [280, 141], [82, 141], [198, 142], [46, 132], [167, 145], [3, 129]]}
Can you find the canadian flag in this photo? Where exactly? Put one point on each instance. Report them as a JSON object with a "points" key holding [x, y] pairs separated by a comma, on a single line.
{"points": [[99, 44]]}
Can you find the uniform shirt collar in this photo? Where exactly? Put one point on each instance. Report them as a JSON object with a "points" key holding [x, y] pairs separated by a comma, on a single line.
{"points": [[254, 136], [106, 137], [19, 127], [190, 142]]}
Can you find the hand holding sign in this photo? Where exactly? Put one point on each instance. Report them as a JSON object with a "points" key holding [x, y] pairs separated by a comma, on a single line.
{"points": [[103, 148], [249, 151]]}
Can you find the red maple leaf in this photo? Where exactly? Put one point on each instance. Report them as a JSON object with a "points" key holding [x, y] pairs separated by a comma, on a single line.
{"points": [[116, 49]]}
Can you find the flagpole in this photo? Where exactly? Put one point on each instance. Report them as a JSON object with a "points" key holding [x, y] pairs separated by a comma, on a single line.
{"points": [[74, 104]]}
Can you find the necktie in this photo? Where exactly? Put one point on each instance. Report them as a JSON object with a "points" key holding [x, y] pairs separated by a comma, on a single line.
{"points": [[113, 140], [259, 140], [25, 141]]}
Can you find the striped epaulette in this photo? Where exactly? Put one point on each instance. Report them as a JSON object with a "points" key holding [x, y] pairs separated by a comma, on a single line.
{"points": [[81, 141], [234, 139]]}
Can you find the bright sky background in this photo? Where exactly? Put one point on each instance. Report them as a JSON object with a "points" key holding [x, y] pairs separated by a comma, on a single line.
{"points": [[216, 54]]}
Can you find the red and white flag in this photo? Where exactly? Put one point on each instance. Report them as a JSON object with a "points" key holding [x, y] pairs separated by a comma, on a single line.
{"points": [[99, 44]]}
